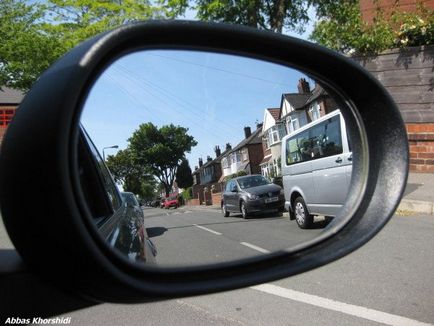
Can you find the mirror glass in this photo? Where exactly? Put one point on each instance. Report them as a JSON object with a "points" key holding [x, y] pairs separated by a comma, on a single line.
{"points": [[190, 158]]}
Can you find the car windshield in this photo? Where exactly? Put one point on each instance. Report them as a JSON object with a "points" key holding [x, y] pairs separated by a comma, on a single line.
{"points": [[253, 181]]}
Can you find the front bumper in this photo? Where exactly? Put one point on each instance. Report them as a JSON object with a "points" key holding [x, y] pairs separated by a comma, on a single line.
{"points": [[259, 205]]}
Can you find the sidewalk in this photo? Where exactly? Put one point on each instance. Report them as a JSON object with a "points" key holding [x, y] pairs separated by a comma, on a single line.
{"points": [[419, 194]]}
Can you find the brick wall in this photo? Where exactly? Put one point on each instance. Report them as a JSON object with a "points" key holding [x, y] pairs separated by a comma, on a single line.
{"points": [[368, 7], [256, 155], [3, 128], [421, 141]]}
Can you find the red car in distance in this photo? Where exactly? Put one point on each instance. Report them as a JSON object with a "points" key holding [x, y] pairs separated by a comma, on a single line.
{"points": [[171, 201]]}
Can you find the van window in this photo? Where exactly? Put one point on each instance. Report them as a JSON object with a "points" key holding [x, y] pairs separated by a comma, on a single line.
{"points": [[298, 148], [319, 141], [326, 138]]}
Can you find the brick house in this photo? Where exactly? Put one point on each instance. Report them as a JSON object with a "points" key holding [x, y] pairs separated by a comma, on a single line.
{"points": [[245, 156], [206, 178], [9, 101]]}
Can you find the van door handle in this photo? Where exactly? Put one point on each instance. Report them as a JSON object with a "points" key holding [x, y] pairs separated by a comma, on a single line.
{"points": [[350, 158], [338, 160]]}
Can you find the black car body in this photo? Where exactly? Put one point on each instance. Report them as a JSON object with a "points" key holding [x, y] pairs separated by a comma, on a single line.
{"points": [[251, 194], [119, 219]]}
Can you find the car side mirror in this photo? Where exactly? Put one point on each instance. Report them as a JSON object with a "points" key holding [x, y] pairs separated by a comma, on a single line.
{"points": [[68, 232]]}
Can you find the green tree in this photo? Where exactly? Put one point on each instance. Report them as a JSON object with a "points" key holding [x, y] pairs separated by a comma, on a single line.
{"points": [[33, 36], [273, 15], [26, 48], [161, 150], [340, 27], [132, 176], [184, 179]]}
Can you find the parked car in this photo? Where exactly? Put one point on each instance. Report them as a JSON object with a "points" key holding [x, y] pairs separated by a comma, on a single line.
{"points": [[316, 169], [171, 202], [251, 194]]}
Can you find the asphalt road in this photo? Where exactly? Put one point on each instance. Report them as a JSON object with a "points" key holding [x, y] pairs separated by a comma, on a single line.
{"points": [[187, 236], [388, 281]]}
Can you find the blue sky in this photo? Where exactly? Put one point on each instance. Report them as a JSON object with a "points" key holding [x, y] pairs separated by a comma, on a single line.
{"points": [[214, 95]]}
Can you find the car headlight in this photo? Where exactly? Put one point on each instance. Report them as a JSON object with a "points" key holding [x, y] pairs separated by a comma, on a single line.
{"points": [[253, 197]]}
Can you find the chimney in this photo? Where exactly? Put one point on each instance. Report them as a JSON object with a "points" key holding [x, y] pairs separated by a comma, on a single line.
{"points": [[247, 132], [217, 150], [303, 86], [208, 158], [228, 146], [200, 162]]}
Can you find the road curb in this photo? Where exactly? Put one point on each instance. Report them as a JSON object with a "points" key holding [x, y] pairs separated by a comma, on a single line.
{"points": [[418, 206]]}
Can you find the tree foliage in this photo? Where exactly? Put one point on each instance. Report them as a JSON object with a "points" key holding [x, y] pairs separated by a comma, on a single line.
{"points": [[340, 27], [26, 48], [273, 15], [133, 176], [34, 35], [161, 150], [184, 178]]}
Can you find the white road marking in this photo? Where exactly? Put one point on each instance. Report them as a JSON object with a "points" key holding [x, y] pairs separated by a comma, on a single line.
{"points": [[206, 229], [349, 309], [176, 213], [264, 251], [186, 212]]}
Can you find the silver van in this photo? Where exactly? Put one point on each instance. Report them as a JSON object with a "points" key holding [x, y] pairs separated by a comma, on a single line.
{"points": [[316, 169]]}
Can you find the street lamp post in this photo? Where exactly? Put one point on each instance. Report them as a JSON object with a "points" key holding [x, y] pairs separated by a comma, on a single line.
{"points": [[103, 154]]}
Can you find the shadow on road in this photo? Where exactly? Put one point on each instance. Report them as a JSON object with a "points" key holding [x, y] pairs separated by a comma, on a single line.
{"points": [[155, 231]]}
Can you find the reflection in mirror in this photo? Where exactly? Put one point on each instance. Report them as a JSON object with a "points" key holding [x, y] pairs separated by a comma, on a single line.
{"points": [[212, 150]]}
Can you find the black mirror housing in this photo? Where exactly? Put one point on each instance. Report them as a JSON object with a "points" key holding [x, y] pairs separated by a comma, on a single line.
{"points": [[62, 243]]}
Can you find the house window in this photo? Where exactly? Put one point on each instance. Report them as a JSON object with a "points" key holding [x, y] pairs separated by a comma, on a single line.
{"points": [[275, 133], [315, 112], [293, 124], [245, 155], [236, 157], [6, 117], [225, 163]]}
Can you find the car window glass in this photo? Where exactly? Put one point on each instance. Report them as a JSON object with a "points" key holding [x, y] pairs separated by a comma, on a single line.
{"points": [[109, 185]]}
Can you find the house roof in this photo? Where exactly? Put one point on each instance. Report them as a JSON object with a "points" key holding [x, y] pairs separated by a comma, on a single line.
{"points": [[216, 160], [275, 113], [254, 138], [10, 96], [316, 93], [296, 100]]}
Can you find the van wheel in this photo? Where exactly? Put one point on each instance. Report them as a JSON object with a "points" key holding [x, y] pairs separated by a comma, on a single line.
{"points": [[302, 217], [244, 210]]}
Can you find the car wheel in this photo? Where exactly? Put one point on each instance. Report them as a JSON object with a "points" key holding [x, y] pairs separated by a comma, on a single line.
{"points": [[302, 217], [224, 210], [244, 210]]}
